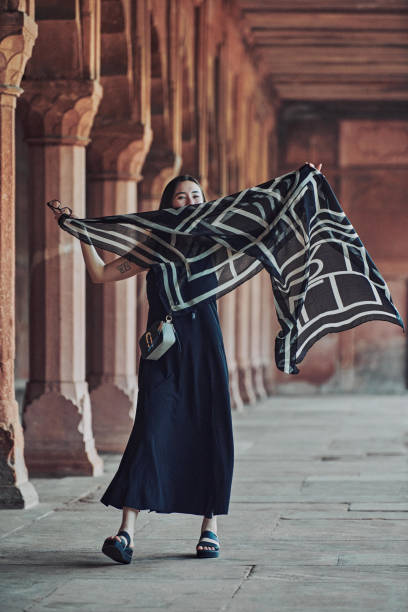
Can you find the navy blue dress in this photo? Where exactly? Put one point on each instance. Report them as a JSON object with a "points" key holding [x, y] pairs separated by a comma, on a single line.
{"points": [[180, 453]]}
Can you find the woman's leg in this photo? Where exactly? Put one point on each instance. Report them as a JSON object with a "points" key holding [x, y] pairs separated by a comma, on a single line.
{"points": [[208, 524], [129, 516]]}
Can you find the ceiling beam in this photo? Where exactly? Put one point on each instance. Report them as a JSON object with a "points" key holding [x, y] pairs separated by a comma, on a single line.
{"points": [[317, 37], [272, 20], [323, 50], [321, 90], [359, 6]]}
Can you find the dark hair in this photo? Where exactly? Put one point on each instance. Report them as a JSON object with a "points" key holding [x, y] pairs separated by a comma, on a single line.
{"points": [[168, 193]]}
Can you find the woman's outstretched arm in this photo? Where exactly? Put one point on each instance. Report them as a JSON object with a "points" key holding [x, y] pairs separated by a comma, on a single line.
{"points": [[101, 272]]}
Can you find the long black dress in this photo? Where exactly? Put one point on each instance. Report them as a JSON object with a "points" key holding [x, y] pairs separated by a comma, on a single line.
{"points": [[180, 454]]}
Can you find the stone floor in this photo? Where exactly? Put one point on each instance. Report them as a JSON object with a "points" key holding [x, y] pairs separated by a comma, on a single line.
{"points": [[318, 522]]}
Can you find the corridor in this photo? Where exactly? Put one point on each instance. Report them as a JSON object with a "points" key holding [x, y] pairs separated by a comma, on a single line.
{"points": [[318, 521]]}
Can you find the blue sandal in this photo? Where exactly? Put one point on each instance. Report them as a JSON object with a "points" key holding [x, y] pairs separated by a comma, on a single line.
{"points": [[118, 550], [208, 538]]}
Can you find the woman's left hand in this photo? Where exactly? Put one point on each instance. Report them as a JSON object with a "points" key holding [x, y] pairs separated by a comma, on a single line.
{"points": [[313, 166]]}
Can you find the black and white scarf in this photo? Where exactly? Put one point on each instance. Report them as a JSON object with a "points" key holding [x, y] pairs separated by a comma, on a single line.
{"points": [[322, 277]]}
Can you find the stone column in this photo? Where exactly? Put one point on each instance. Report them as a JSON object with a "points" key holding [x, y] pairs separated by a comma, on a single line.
{"points": [[115, 160], [255, 329], [267, 337], [242, 331], [243, 292], [269, 320], [57, 411], [256, 163], [226, 310], [18, 33], [160, 169]]}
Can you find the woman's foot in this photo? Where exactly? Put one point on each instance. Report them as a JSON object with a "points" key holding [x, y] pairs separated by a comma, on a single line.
{"points": [[129, 516], [208, 524], [122, 538], [208, 546], [118, 547]]}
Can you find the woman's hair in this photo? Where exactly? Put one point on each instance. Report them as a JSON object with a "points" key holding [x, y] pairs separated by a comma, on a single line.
{"points": [[168, 193]]}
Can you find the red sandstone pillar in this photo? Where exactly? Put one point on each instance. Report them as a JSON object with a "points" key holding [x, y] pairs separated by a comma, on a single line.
{"points": [[57, 412], [267, 338], [114, 165], [226, 310], [227, 304], [255, 336], [15, 49], [158, 171], [268, 314], [242, 331]]}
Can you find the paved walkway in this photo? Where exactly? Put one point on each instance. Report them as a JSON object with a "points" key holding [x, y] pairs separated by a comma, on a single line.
{"points": [[318, 522]]}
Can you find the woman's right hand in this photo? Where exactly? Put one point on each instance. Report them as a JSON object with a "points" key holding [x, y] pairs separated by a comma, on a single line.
{"points": [[99, 271]]}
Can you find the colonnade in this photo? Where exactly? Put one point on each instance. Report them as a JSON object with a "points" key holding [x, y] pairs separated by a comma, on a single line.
{"points": [[118, 97]]}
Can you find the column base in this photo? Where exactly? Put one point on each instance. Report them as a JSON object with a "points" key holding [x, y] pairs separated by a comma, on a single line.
{"points": [[235, 396], [245, 385], [257, 377], [268, 371], [58, 431], [15, 489], [21, 496], [113, 414]]}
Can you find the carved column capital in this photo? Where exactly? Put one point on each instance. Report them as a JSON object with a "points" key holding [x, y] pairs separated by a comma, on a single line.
{"points": [[60, 111], [17, 35], [118, 151]]}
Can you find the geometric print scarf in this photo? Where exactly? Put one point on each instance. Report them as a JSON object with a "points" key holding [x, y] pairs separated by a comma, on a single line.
{"points": [[322, 277]]}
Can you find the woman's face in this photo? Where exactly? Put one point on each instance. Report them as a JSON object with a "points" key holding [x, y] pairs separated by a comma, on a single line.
{"points": [[186, 192]]}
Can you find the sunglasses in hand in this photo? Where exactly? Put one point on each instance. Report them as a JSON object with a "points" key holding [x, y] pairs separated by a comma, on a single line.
{"points": [[54, 208]]}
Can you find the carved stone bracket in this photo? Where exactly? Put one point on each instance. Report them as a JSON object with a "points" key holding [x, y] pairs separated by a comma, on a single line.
{"points": [[17, 35], [119, 151], [160, 167], [60, 111]]}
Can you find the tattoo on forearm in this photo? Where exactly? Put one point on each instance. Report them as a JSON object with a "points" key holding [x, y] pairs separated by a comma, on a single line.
{"points": [[124, 267]]}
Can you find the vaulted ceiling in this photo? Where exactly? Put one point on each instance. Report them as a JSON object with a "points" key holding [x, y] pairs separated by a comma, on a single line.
{"points": [[329, 50]]}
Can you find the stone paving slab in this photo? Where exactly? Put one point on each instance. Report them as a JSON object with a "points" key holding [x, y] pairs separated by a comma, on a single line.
{"points": [[352, 515], [333, 463], [178, 594], [375, 506], [344, 529], [322, 591], [395, 476], [318, 522], [350, 490], [372, 445], [342, 491]]}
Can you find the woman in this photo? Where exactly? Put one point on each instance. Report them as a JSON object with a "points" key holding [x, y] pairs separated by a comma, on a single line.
{"points": [[179, 457]]}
